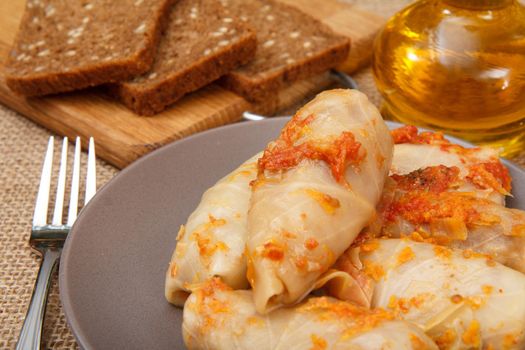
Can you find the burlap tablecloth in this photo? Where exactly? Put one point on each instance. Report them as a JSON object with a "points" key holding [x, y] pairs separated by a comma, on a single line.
{"points": [[22, 145]]}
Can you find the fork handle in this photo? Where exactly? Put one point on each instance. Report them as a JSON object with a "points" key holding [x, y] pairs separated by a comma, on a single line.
{"points": [[31, 333]]}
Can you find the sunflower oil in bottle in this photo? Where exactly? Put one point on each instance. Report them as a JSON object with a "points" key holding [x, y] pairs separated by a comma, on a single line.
{"points": [[456, 66]]}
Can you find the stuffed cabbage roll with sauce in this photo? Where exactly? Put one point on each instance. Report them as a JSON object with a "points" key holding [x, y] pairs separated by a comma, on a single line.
{"points": [[454, 198], [479, 170], [461, 299], [317, 187], [216, 318], [425, 203], [213, 240]]}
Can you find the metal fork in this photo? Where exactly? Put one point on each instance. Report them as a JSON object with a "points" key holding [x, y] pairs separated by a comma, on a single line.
{"points": [[48, 239]]}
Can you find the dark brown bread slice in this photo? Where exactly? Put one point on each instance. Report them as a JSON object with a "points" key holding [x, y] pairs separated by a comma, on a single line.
{"points": [[291, 46], [200, 44], [65, 45]]}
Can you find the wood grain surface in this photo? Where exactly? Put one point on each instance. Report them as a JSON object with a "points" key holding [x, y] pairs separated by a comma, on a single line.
{"points": [[123, 136]]}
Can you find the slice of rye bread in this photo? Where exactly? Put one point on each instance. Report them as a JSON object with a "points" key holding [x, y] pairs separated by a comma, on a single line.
{"points": [[65, 45], [291, 46], [200, 44]]}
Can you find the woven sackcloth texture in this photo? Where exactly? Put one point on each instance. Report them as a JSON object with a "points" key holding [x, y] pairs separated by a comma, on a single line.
{"points": [[22, 145]]}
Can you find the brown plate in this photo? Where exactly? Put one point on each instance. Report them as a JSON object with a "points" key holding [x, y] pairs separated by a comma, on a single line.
{"points": [[114, 261]]}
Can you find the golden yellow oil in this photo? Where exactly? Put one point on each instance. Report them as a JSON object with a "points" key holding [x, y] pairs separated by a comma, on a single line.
{"points": [[457, 66]]}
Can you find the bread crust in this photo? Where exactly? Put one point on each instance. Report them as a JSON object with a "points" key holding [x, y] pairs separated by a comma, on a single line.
{"points": [[154, 99], [288, 29], [26, 78], [186, 62]]}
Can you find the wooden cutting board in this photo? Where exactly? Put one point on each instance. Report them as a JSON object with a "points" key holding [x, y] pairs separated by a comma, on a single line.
{"points": [[122, 136]]}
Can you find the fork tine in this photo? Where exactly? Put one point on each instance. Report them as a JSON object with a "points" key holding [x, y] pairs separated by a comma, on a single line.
{"points": [[91, 178], [61, 186], [73, 199], [42, 199]]}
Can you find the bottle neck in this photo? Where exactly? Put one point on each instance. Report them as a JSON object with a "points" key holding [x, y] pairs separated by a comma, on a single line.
{"points": [[480, 4]]}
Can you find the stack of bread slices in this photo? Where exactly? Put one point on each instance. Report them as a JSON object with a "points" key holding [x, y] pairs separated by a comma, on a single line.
{"points": [[150, 53]]}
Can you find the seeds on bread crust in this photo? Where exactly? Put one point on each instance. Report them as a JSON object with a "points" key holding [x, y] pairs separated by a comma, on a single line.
{"points": [[69, 45], [292, 46], [197, 48]]}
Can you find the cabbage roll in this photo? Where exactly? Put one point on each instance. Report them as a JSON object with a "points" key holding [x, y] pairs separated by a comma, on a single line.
{"points": [[461, 299], [424, 204], [213, 240], [479, 170], [317, 187], [450, 195], [216, 317]]}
